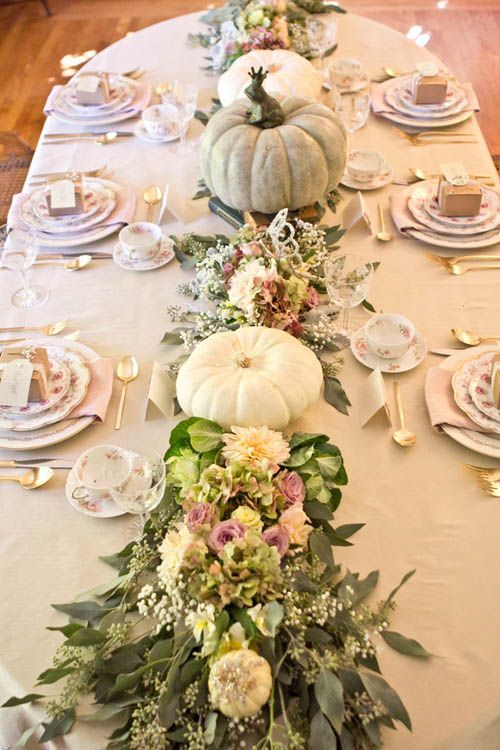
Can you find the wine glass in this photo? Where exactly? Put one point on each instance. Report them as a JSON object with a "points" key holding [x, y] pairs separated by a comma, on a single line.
{"points": [[184, 97], [347, 280], [144, 488], [321, 36], [355, 110], [18, 250]]}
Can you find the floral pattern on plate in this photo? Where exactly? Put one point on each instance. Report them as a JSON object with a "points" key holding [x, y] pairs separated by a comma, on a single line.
{"points": [[480, 387], [107, 205], [471, 370], [384, 178], [93, 199], [162, 257], [121, 94], [399, 96], [79, 381], [488, 210], [412, 358], [104, 507], [416, 204], [141, 132], [58, 382]]}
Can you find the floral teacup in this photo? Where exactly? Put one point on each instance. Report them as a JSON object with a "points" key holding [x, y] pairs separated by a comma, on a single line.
{"points": [[98, 470], [345, 71], [389, 335], [140, 240], [160, 120], [364, 165]]}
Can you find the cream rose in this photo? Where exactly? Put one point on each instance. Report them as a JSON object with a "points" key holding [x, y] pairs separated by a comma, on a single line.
{"points": [[294, 521], [250, 517]]}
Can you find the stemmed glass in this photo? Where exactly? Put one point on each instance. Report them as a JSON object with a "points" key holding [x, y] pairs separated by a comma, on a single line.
{"points": [[355, 110], [18, 250], [143, 490], [347, 279], [321, 37], [184, 97]]}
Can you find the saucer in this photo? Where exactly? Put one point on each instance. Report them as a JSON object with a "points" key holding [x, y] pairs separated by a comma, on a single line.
{"points": [[162, 257], [141, 132], [361, 83], [412, 358], [104, 507], [384, 178]]}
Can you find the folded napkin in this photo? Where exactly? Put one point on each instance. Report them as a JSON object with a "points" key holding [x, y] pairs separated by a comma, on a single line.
{"points": [[123, 213], [381, 106], [401, 214], [136, 106], [98, 394], [441, 403]]}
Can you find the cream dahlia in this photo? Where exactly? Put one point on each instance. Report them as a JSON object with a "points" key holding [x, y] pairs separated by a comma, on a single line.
{"points": [[257, 447]]}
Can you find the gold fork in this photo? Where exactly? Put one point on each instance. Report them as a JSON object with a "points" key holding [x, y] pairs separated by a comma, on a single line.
{"points": [[482, 472], [490, 488], [433, 136], [456, 266]]}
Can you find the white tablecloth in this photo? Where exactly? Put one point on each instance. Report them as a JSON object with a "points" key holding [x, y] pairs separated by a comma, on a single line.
{"points": [[421, 510]]}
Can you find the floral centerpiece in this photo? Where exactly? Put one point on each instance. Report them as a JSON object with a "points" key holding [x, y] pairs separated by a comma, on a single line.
{"points": [[244, 25], [271, 277], [229, 624]]}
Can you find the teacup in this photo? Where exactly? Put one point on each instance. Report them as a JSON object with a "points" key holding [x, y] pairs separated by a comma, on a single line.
{"points": [[100, 469], [160, 120], [345, 71], [389, 335], [140, 240], [364, 164]]}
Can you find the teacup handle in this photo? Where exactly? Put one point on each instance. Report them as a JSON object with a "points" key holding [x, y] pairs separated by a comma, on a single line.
{"points": [[80, 493]]}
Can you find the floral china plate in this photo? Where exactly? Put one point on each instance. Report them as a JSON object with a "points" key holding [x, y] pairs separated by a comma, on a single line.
{"points": [[473, 369], [413, 357], [417, 201], [141, 132], [487, 211], [102, 507], [58, 386], [384, 178], [120, 95], [162, 257], [102, 199]]}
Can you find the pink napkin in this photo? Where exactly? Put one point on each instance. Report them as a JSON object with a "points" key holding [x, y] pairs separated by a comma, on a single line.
{"points": [[99, 391], [441, 404], [123, 212], [380, 106], [401, 215], [136, 106]]}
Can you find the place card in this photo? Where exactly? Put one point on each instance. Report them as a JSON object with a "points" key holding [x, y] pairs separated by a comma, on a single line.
{"points": [[64, 195], [15, 382], [356, 211], [428, 85], [40, 368], [92, 89], [161, 393], [372, 398]]}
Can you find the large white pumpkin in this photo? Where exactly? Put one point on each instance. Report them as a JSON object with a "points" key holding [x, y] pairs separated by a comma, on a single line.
{"points": [[249, 377], [289, 74]]}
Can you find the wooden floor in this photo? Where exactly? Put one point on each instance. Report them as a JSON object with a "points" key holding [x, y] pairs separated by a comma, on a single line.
{"points": [[465, 34]]}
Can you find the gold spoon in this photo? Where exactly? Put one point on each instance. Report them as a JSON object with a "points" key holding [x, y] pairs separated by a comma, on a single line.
{"points": [[402, 436], [32, 479], [152, 195], [127, 370], [51, 330], [470, 338], [383, 236]]}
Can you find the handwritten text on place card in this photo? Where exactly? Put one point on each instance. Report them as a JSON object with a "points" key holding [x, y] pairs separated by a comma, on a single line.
{"points": [[15, 382]]}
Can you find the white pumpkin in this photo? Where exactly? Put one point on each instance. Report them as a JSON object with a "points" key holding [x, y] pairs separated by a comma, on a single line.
{"points": [[249, 377], [289, 74], [240, 683]]}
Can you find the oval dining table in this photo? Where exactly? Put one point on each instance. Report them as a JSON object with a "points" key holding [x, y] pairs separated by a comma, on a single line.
{"points": [[420, 508]]}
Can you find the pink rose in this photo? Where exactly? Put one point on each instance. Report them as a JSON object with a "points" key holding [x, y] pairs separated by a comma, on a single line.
{"points": [[277, 537], [200, 515], [294, 521], [224, 532], [312, 297], [292, 487]]}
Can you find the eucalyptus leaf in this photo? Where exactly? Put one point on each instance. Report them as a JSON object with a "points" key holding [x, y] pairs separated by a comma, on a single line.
{"points": [[59, 725], [379, 690], [127, 681], [321, 736], [320, 545], [172, 338], [335, 395], [317, 510], [177, 406], [54, 675], [190, 672], [167, 709], [366, 585], [330, 696], [29, 698], [86, 611], [368, 306], [123, 661], [404, 580], [405, 645], [348, 529], [104, 713], [68, 630], [86, 637]]}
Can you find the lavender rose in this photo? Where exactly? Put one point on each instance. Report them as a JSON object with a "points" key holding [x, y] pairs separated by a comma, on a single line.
{"points": [[201, 514], [277, 537], [224, 532], [293, 488]]}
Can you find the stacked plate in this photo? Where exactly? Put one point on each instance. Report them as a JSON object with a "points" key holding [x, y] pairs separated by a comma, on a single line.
{"points": [[472, 393], [402, 108], [43, 423], [101, 198], [127, 99], [464, 232]]}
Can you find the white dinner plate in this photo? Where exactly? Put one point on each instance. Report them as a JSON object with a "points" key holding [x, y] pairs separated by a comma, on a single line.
{"points": [[466, 371], [419, 122], [64, 114], [400, 99], [58, 386], [122, 92], [475, 242], [424, 192], [489, 208], [103, 204]]}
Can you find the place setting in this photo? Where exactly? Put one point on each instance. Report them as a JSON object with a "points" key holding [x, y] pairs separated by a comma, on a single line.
{"points": [[142, 246], [453, 211], [427, 97]]}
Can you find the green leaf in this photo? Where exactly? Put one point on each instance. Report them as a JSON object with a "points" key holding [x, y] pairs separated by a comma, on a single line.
{"points": [[205, 435], [336, 396], [405, 645], [123, 661], [317, 635], [366, 585], [368, 306], [299, 456], [379, 690], [177, 406], [29, 698], [210, 727], [240, 615], [274, 616], [127, 681], [104, 712], [201, 116], [59, 726], [68, 630], [172, 339], [161, 650], [86, 637], [330, 696], [204, 192], [321, 735], [316, 490], [329, 466], [317, 510], [86, 611], [306, 438], [167, 709], [404, 579], [53, 675], [348, 529], [320, 545], [180, 432], [333, 537], [190, 672]]}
